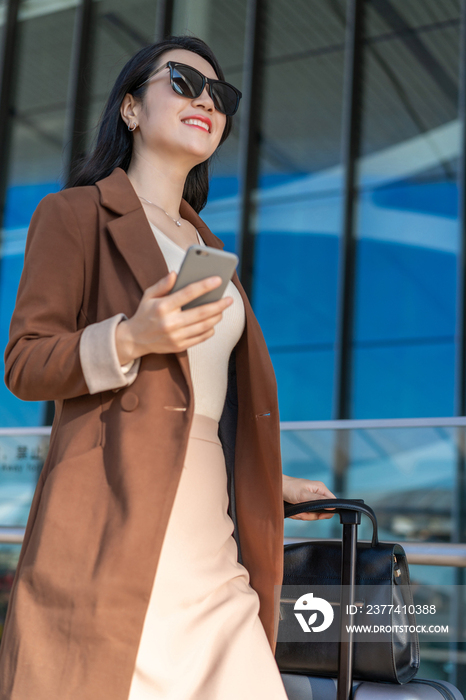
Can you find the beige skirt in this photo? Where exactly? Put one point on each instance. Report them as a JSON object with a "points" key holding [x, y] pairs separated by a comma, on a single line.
{"points": [[202, 636]]}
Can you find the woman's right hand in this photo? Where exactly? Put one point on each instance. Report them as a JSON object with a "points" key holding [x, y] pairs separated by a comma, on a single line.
{"points": [[159, 325]]}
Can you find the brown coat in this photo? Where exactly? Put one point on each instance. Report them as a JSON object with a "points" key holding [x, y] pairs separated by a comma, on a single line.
{"points": [[103, 500]]}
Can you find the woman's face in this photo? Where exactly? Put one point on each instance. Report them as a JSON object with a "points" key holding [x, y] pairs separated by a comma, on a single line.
{"points": [[162, 117]]}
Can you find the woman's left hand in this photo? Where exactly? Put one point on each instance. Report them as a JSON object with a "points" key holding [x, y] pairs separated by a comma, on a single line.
{"points": [[297, 490]]}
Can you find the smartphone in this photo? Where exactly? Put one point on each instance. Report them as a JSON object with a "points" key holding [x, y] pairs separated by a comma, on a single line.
{"points": [[203, 261]]}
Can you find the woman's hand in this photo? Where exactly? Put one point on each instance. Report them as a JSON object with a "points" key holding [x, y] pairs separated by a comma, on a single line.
{"points": [[297, 490], [159, 324]]}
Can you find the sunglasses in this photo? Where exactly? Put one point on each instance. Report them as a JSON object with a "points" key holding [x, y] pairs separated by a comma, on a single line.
{"points": [[189, 82]]}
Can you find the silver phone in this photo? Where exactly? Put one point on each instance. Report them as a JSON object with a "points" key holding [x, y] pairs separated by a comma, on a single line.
{"points": [[204, 261]]}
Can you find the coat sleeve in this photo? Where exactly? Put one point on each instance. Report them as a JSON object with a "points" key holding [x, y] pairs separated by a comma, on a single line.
{"points": [[99, 357], [44, 358]]}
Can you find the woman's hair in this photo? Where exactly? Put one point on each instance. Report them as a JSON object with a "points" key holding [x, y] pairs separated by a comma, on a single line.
{"points": [[114, 144]]}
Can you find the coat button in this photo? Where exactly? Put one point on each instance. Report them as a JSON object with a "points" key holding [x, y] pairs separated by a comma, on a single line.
{"points": [[129, 401]]}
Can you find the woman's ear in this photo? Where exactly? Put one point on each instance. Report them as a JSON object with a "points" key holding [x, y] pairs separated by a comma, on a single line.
{"points": [[128, 109]]}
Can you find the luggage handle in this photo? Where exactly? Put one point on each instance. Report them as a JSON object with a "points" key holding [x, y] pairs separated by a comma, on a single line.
{"points": [[340, 506], [350, 511]]}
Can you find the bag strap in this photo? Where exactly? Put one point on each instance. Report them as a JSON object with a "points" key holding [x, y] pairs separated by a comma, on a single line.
{"points": [[340, 506]]}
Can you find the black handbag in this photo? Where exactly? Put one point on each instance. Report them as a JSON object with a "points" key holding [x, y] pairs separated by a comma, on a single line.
{"points": [[373, 577]]}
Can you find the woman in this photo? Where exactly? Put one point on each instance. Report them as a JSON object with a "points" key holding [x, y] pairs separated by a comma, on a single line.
{"points": [[166, 428]]}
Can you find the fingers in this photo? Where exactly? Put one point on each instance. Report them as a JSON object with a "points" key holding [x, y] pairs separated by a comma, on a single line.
{"points": [[185, 325], [160, 325], [194, 290], [194, 330], [184, 330], [205, 311], [182, 296], [321, 491], [162, 287], [187, 294], [313, 516]]}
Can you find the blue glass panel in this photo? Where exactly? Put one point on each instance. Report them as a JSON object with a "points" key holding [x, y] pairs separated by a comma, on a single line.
{"points": [[404, 338], [22, 200], [407, 219], [221, 213], [295, 302], [407, 475], [298, 221], [405, 292], [13, 412], [404, 381], [20, 205], [303, 380], [37, 158]]}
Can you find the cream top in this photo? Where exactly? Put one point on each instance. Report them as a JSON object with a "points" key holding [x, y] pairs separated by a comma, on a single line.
{"points": [[208, 361]]}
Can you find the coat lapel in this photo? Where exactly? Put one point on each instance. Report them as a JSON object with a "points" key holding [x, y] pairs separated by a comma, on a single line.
{"points": [[132, 233], [133, 236], [137, 244]]}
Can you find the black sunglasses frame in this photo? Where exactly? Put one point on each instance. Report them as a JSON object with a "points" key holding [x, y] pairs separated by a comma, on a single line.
{"points": [[211, 82]]}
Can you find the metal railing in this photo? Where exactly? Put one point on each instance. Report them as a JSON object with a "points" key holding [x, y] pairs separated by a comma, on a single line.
{"points": [[424, 553], [427, 553], [371, 423], [11, 535], [20, 432], [350, 424]]}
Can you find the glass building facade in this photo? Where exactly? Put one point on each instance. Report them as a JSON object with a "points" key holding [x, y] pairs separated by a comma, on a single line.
{"points": [[341, 187]]}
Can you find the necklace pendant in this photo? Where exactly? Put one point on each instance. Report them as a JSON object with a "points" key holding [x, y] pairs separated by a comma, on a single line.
{"points": [[178, 223]]}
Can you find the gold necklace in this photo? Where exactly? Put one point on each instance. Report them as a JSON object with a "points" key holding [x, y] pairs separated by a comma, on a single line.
{"points": [[177, 222]]}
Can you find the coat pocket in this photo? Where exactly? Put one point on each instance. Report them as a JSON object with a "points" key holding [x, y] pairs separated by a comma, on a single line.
{"points": [[66, 535]]}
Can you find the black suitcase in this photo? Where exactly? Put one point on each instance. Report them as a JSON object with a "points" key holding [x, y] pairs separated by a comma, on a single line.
{"points": [[304, 687]]}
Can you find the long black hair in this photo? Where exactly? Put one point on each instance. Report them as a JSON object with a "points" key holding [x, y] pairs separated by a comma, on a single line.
{"points": [[114, 144]]}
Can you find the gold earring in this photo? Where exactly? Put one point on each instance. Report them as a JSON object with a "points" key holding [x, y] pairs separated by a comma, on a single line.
{"points": [[134, 125]]}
